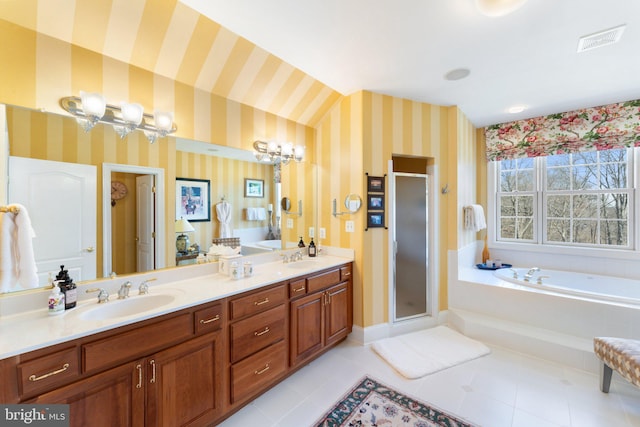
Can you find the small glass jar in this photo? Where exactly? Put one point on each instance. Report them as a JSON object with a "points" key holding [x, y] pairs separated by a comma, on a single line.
{"points": [[248, 269]]}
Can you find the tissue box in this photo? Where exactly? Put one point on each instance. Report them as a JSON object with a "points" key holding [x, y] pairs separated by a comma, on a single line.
{"points": [[225, 263]]}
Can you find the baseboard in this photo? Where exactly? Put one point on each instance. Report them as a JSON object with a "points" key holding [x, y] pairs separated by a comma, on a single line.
{"points": [[365, 336]]}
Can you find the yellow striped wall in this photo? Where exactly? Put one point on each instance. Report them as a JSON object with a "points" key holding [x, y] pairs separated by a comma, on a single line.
{"points": [[171, 40], [360, 135], [467, 191]]}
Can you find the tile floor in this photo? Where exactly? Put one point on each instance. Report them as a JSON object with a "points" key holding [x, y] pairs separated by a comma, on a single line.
{"points": [[502, 389]]}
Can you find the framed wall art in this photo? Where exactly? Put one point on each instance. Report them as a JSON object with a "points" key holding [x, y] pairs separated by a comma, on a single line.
{"points": [[193, 199], [253, 187]]}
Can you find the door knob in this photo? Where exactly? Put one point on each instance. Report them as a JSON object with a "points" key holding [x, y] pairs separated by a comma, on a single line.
{"points": [[90, 249]]}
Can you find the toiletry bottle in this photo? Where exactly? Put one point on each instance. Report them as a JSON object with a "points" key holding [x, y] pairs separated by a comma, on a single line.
{"points": [[312, 248], [56, 300], [68, 288], [301, 243]]}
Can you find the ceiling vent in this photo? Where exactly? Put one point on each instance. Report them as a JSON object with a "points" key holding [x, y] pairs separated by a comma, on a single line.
{"points": [[599, 39]]}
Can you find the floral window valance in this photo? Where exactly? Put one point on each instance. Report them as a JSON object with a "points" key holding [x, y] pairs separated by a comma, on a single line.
{"points": [[598, 128]]}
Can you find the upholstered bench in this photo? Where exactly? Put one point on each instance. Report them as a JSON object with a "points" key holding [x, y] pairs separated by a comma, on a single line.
{"points": [[620, 354]]}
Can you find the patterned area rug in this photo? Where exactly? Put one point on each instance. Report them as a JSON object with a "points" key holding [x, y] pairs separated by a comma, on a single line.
{"points": [[370, 403]]}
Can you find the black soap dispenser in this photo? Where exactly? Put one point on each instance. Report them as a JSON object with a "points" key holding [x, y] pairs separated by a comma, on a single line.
{"points": [[312, 248], [68, 288], [301, 243]]}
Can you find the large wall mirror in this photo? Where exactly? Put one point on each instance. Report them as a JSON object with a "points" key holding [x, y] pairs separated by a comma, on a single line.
{"points": [[132, 169]]}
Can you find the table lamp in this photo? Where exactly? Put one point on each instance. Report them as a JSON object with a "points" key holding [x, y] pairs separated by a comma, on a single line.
{"points": [[182, 241]]}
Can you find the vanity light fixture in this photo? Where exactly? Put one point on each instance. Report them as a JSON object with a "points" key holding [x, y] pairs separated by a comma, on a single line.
{"points": [[91, 108], [276, 152]]}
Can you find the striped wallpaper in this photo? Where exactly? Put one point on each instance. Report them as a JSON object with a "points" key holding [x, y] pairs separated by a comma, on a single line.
{"points": [[173, 41]]}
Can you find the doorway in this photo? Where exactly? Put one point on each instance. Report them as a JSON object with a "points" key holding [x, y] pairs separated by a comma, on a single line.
{"points": [[151, 239]]}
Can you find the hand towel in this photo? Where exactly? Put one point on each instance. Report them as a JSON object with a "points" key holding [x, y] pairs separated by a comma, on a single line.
{"points": [[474, 218], [261, 214], [17, 261], [223, 209], [252, 214]]}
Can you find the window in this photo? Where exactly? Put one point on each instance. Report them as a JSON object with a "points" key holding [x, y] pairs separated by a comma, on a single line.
{"points": [[582, 199]]}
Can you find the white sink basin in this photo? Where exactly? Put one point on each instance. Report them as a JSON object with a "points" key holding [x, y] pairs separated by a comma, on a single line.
{"points": [[121, 308], [304, 264]]}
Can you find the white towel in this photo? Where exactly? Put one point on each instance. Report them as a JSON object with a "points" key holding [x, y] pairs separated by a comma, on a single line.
{"points": [[474, 218], [256, 214], [17, 262], [223, 209], [261, 213]]}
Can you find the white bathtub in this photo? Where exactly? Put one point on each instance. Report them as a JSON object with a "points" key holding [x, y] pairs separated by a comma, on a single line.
{"points": [[593, 286]]}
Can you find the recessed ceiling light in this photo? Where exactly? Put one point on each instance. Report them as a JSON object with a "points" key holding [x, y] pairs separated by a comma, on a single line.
{"points": [[457, 74], [517, 109]]}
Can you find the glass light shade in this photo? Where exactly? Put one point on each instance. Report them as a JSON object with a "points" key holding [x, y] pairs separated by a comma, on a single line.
{"points": [[163, 121], [272, 148], [183, 226], [498, 7], [93, 104], [132, 113], [287, 149], [299, 153]]}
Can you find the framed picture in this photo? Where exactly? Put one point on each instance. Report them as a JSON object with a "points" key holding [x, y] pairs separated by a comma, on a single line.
{"points": [[253, 187], [375, 219], [193, 199], [375, 202], [375, 184]]}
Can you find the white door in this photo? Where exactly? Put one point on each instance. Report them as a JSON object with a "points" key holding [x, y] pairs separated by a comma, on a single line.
{"points": [[61, 199], [145, 208]]}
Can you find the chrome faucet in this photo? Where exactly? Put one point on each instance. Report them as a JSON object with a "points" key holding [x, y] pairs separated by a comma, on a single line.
{"points": [[144, 286], [285, 258], [296, 256], [529, 274], [123, 292], [103, 296]]}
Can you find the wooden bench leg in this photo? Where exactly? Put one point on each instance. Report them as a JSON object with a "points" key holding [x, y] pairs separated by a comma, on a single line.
{"points": [[605, 377]]}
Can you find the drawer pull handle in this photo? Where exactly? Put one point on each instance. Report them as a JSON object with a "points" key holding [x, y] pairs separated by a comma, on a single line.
{"points": [[41, 377], [300, 289], [347, 274], [153, 371], [263, 370], [139, 368], [257, 334], [264, 301], [213, 319]]}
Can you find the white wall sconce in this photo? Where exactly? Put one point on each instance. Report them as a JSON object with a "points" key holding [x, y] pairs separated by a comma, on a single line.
{"points": [[277, 152], [91, 108]]}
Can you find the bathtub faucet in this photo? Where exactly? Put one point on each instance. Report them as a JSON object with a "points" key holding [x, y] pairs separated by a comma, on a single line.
{"points": [[529, 274]]}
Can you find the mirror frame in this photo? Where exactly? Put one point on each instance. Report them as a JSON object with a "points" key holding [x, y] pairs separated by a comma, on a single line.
{"points": [[160, 240]]}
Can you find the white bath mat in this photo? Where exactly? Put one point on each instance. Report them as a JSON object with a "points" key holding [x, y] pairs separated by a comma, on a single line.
{"points": [[424, 352]]}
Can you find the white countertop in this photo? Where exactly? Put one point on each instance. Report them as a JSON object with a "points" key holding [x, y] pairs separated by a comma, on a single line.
{"points": [[35, 329]]}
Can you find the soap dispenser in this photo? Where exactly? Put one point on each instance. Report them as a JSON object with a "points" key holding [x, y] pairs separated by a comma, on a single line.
{"points": [[68, 288], [312, 248], [301, 243], [56, 300]]}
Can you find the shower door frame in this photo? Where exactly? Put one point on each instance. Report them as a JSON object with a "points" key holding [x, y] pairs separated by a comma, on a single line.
{"points": [[432, 258]]}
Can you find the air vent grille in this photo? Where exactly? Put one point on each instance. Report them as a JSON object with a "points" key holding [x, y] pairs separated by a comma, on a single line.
{"points": [[599, 39]]}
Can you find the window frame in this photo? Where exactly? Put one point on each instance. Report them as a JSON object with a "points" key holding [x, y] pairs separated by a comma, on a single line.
{"points": [[540, 243]]}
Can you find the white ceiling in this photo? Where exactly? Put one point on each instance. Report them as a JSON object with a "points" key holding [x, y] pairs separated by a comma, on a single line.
{"points": [[404, 48]]}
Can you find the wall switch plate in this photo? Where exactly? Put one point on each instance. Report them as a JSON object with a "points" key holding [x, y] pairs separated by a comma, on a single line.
{"points": [[323, 233], [289, 223], [349, 226], [312, 232]]}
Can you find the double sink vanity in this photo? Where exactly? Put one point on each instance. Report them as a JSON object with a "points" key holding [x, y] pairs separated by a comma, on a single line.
{"points": [[192, 351]]}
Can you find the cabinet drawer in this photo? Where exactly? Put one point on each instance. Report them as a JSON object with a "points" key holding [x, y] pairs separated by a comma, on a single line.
{"points": [[255, 372], [48, 371], [345, 272], [108, 352], [256, 302], [208, 319], [297, 288], [323, 280], [257, 332]]}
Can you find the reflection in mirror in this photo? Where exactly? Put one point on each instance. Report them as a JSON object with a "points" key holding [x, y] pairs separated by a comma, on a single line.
{"points": [[285, 203], [353, 202], [52, 137]]}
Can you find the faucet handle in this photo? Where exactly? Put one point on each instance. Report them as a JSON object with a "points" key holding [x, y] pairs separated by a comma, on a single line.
{"points": [[103, 296], [123, 292], [515, 273], [539, 281], [144, 286]]}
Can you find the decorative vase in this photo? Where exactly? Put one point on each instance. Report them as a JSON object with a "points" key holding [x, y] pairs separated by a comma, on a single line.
{"points": [[485, 251]]}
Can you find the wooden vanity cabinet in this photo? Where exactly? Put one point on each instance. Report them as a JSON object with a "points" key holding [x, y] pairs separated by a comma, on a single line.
{"points": [[322, 317]]}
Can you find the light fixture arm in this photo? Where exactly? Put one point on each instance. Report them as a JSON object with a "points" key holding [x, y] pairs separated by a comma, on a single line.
{"points": [[113, 116]]}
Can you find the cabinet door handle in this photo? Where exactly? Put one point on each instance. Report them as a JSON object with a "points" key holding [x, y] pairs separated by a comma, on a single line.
{"points": [[153, 371], [213, 319], [347, 273], [264, 301], [257, 334], [139, 368], [57, 371], [263, 370], [300, 289]]}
